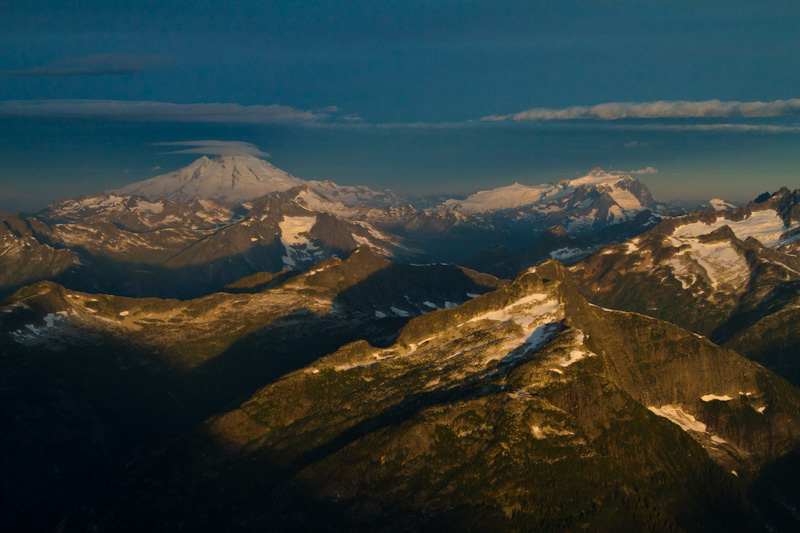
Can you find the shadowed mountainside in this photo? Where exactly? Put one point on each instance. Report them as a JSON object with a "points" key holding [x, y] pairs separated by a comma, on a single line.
{"points": [[525, 408], [87, 379]]}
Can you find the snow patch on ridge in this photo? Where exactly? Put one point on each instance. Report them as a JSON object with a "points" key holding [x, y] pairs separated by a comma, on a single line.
{"points": [[676, 415], [149, 207], [298, 246], [577, 353], [400, 312], [574, 357], [711, 397], [31, 332], [505, 313], [722, 263], [626, 200], [565, 254], [315, 202], [584, 222]]}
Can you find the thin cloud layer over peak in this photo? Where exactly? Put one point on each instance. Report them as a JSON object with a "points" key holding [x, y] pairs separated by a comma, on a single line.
{"points": [[658, 109], [164, 111], [212, 147]]}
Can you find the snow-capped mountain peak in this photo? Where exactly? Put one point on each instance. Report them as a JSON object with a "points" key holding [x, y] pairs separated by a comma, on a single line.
{"points": [[235, 178], [628, 193], [240, 178]]}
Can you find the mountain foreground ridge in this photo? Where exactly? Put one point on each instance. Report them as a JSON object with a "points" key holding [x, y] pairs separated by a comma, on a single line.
{"points": [[524, 408]]}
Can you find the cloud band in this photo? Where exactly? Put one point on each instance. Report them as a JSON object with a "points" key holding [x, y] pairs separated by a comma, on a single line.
{"points": [[659, 109], [163, 111]]}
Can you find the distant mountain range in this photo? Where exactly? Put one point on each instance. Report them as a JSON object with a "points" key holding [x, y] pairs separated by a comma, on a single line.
{"points": [[228, 347], [195, 230]]}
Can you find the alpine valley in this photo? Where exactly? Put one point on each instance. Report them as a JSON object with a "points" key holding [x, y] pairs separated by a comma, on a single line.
{"points": [[228, 347]]}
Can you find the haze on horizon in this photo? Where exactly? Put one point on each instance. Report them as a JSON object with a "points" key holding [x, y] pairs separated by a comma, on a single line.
{"points": [[420, 97]]}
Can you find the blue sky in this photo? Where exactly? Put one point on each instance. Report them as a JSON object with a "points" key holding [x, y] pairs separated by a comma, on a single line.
{"points": [[430, 96]]}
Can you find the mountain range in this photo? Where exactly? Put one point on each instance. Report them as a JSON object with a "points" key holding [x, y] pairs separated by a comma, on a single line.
{"points": [[191, 232], [229, 347], [517, 409]]}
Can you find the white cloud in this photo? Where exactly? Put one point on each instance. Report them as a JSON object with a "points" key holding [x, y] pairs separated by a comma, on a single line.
{"points": [[163, 111], [659, 109], [646, 170], [212, 147]]}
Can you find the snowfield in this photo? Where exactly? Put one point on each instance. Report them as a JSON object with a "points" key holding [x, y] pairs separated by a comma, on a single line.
{"points": [[766, 226], [721, 262], [298, 246], [315, 202]]}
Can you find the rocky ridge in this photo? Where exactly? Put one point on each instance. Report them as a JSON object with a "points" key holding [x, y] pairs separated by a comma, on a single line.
{"points": [[105, 374], [524, 407], [729, 275]]}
